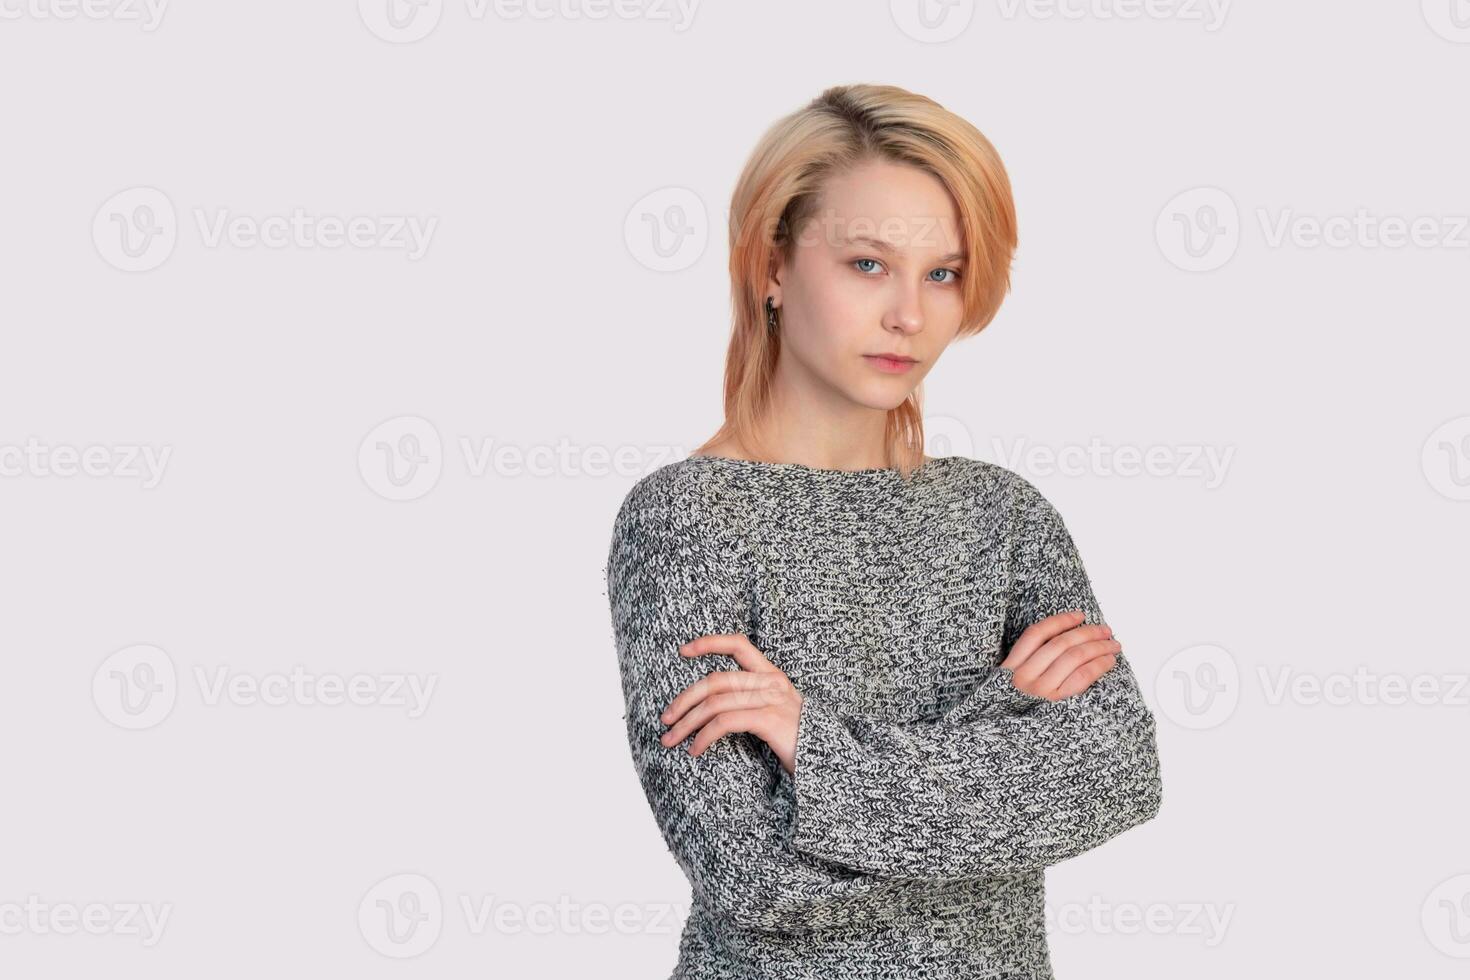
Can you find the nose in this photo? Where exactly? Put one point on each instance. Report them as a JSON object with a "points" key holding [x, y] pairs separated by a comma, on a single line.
{"points": [[906, 314]]}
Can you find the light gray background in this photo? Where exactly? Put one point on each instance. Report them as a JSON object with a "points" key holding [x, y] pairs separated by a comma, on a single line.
{"points": [[1297, 834]]}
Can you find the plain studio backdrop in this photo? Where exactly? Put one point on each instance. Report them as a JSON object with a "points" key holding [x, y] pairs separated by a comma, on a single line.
{"points": [[334, 334]]}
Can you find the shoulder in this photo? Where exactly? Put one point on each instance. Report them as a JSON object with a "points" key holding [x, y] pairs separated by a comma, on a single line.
{"points": [[664, 509], [1008, 496], [992, 479], [664, 539], [654, 489], [666, 493]]}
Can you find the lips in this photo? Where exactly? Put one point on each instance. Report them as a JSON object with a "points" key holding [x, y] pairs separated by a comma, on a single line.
{"points": [[890, 363]]}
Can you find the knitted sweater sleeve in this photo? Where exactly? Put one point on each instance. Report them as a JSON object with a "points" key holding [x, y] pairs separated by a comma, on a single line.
{"points": [[716, 812], [1005, 782]]}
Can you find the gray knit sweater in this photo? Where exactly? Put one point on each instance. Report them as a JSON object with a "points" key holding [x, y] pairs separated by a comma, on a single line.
{"points": [[930, 794]]}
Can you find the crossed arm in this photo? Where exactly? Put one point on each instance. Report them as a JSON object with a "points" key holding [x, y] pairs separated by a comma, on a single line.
{"points": [[1005, 782]]}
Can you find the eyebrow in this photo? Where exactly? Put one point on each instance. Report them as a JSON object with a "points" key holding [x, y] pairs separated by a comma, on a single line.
{"points": [[888, 249]]}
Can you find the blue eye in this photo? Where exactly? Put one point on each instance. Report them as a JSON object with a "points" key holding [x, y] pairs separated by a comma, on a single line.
{"points": [[954, 274]]}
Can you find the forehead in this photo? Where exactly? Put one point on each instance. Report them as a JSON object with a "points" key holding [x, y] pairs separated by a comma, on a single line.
{"points": [[901, 206]]}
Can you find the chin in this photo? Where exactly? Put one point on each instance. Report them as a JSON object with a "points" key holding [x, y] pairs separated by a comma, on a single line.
{"points": [[884, 398]]}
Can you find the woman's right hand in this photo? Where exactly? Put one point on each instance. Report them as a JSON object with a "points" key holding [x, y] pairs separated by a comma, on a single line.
{"points": [[1056, 657]]}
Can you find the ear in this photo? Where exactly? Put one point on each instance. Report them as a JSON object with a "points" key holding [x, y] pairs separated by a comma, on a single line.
{"points": [[773, 278]]}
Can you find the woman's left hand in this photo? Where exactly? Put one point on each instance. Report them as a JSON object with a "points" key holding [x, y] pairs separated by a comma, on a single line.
{"points": [[759, 699]]}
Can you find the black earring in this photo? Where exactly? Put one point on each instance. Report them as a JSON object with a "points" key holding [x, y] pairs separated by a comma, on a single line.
{"points": [[770, 314]]}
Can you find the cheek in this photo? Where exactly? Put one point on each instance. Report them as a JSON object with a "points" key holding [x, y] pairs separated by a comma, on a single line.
{"points": [[840, 312], [822, 343], [950, 306], [944, 316]]}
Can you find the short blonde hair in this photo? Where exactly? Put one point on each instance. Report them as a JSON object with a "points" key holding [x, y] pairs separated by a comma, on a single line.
{"points": [[779, 190]]}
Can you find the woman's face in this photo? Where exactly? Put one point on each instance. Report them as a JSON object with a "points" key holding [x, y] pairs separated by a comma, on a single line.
{"points": [[876, 271]]}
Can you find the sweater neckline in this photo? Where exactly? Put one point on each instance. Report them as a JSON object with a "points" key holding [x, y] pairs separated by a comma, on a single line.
{"points": [[868, 474]]}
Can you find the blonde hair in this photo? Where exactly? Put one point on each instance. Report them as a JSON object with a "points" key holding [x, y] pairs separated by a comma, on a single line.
{"points": [[779, 190]]}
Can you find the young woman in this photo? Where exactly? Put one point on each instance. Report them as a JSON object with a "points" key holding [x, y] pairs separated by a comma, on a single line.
{"points": [[870, 694]]}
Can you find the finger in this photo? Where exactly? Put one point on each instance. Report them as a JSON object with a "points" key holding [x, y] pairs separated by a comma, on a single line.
{"points": [[1036, 635], [701, 713], [715, 682], [722, 725], [735, 645], [1080, 656], [1039, 662], [1085, 676]]}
